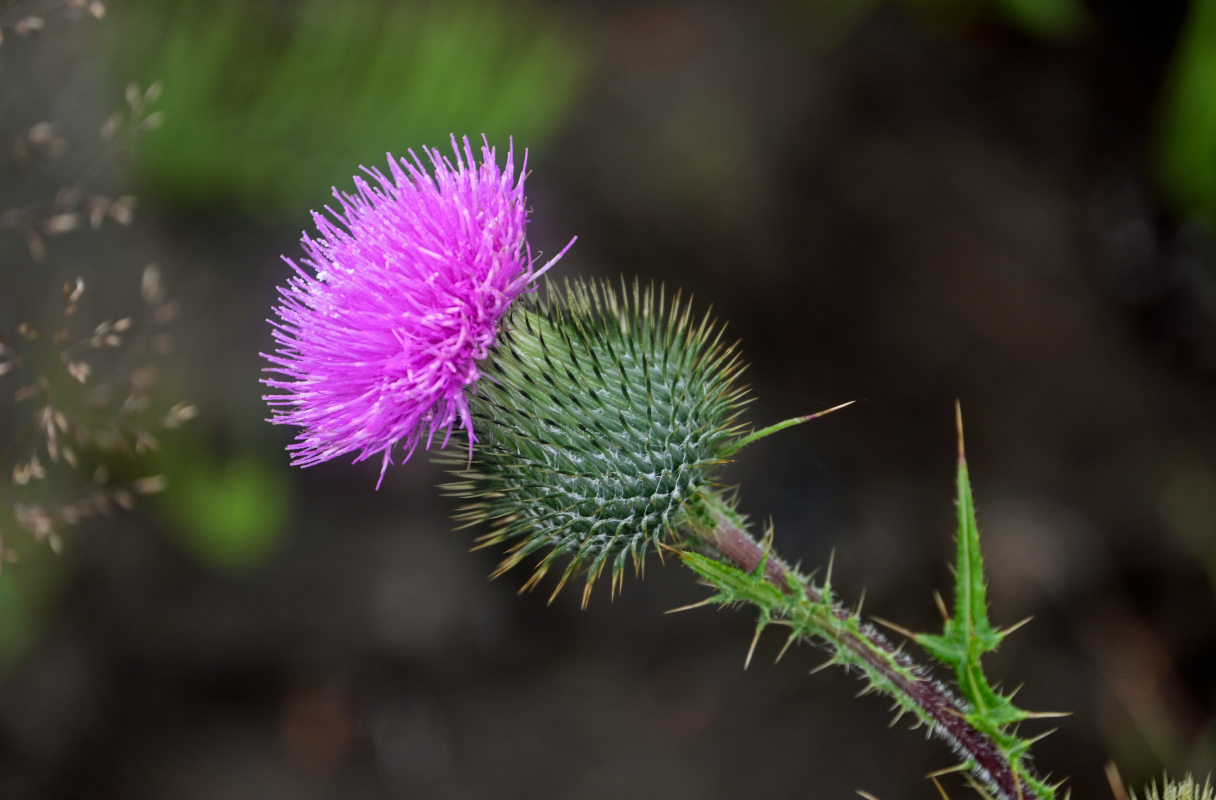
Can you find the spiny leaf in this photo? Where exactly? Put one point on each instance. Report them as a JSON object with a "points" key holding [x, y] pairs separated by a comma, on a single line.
{"points": [[733, 584], [969, 634]]}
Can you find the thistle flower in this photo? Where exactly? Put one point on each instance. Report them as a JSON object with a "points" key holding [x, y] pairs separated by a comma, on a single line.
{"points": [[379, 341]]}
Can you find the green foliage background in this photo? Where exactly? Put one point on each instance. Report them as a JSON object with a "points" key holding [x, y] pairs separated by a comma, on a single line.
{"points": [[264, 103], [1188, 120]]}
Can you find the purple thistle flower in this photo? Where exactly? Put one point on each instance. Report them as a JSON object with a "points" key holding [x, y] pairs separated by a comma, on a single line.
{"points": [[379, 341]]}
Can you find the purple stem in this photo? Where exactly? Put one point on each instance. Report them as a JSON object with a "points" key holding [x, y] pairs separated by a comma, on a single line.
{"points": [[872, 647]]}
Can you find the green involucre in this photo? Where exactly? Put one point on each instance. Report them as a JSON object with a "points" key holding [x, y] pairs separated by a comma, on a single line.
{"points": [[599, 420]]}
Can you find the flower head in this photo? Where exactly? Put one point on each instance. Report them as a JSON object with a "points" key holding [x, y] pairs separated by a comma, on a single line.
{"points": [[380, 333]]}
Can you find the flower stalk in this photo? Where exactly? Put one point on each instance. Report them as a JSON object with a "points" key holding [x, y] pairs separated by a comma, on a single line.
{"points": [[812, 612]]}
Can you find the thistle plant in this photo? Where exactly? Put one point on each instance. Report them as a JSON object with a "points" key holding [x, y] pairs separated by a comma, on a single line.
{"points": [[597, 415]]}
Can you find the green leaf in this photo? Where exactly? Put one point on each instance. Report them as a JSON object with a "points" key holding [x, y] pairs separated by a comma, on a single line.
{"points": [[968, 634], [733, 584], [1187, 136]]}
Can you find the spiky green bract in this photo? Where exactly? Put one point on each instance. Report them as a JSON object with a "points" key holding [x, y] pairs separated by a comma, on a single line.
{"points": [[1186, 789], [600, 420]]}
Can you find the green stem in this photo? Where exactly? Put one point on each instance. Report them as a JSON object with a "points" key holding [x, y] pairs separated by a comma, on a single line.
{"points": [[785, 597]]}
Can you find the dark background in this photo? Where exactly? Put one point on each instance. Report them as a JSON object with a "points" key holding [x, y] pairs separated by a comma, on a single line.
{"points": [[898, 203]]}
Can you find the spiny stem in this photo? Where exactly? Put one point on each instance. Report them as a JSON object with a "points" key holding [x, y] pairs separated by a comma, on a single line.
{"points": [[860, 644]]}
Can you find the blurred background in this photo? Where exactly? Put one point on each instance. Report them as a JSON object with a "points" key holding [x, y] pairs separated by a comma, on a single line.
{"points": [[899, 202]]}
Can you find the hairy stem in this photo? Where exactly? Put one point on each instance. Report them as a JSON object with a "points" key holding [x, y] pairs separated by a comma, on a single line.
{"points": [[810, 610]]}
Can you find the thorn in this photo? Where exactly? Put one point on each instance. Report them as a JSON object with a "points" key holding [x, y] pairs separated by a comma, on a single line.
{"points": [[983, 792], [940, 790], [665, 546], [865, 794], [561, 583], [954, 712], [1034, 740], [902, 631], [1116, 781], [770, 534], [752, 650], [941, 606], [860, 601], [825, 412], [1015, 626], [958, 424], [933, 776], [505, 565], [827, 578], [789, 641], [707, 601], [534, 579], [1047, 714], [823, 666]]}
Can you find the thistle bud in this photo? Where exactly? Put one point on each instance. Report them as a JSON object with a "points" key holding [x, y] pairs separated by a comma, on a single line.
{"points": [[601, 419]]}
